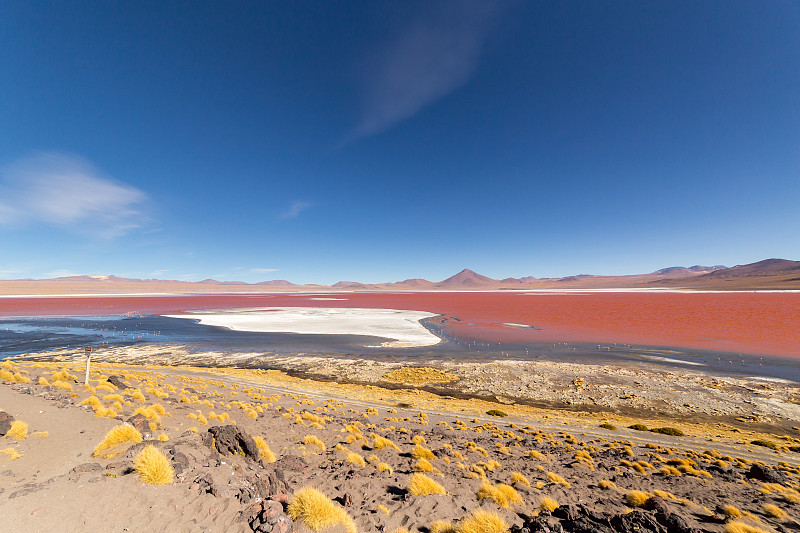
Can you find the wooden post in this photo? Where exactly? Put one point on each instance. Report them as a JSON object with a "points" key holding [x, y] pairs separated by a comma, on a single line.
{"points": [[88, 351]]}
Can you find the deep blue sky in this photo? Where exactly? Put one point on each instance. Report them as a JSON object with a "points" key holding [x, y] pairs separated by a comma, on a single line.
{"points": [[379, 141]]}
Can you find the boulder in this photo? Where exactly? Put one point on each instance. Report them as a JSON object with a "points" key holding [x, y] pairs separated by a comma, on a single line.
{"points": [[230, 440], [766, 474], [5, 422]]}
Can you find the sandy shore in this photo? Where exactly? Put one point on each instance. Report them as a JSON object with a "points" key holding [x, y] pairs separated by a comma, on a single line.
{"points": [[403, 327], [544, 459]]}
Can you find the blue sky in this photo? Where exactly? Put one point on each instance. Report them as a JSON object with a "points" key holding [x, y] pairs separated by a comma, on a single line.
{"points": [[377, 141]]}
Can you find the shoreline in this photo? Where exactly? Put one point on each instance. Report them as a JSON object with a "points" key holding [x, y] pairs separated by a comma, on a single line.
{"points": [[640, 390]]}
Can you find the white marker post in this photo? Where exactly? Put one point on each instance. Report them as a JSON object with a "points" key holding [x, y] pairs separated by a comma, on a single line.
{"points": [[88, 351]]}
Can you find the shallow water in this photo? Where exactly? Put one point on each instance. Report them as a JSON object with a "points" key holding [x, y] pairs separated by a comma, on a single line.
{"points": [[25, 335]]}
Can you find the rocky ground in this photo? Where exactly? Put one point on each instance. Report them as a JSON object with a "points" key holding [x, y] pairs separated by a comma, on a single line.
{"points": [[243, 443]]}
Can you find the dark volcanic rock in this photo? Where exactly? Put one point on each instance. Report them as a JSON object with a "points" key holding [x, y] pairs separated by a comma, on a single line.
{"points": [[637, 522], [766, 474], [118, 383], [139, 422], [5, 422], [267, 517], [291, 462], [654, 503], [230, 440]]}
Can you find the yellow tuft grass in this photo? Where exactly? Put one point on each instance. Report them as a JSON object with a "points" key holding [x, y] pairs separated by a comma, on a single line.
{"points": [[63, 385], [421, 452], [316, 511], [43, 381], [384, 467], [636, 498], [481, 521], [548, 504], [501, 494], [313, 440], [423, 465], [263, 450], [731, 511], [555, 478], [18, 430], [774, 511], [116, 437], [380, 443], [422, 485], [518, 479], [740, 527], [153, 467], [356, 459], [11, 453], [442, 526]]}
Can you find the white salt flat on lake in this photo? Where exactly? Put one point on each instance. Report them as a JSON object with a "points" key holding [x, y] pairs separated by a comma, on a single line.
{"points": [[403, 327]]}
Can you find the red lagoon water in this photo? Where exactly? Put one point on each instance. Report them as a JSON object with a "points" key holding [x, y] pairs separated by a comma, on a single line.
{"points": [[754, 323]]}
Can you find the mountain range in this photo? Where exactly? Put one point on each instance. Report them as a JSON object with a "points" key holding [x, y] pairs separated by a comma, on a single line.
{"points": [[769, 274]]}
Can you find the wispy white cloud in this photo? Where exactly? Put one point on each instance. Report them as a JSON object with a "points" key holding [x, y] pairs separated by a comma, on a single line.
{"points": [[296, 208], [11, 273], [262, 270], [61, 273], [67, 191], [425, 63]]}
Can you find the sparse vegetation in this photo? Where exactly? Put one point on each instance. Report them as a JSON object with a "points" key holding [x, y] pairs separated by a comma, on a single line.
{"points": [[497, 412], [481, 521], [116, 441], [422, 485], [317, 512], [153, 467]]}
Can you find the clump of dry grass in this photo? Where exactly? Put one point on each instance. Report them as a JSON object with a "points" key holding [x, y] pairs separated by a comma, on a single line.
{"points": [[18, 430], [384, 467], [117, 437], [153, 467], [380, 443], [741, 527], [418, 376], [313, 440], [606, 484], [636, 498], [442, 526], [548, 504], [11, 453], [356, 459], [481, 521], [731, 511], [423, 465], [316, 511], [774, 511], [503, 495], [422, 485], [263, 450], [518, 479], [555, 478], [421, 452]]}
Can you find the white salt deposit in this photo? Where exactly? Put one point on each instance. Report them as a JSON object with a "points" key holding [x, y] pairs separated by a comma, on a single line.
{"points": [[403, 327]]}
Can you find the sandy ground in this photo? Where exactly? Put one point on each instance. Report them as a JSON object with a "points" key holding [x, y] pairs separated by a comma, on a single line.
{"points": [[403, 327], [56, 484]]}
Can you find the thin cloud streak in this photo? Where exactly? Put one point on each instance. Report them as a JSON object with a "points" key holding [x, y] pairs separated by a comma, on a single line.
{"points": [[67, 191], [427, 62], [296, 208]]}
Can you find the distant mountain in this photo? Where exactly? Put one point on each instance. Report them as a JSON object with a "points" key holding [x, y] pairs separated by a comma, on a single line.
{"points": [[417, 283], [769, 274], [774, 274], [466, 278], [685, 270]]}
